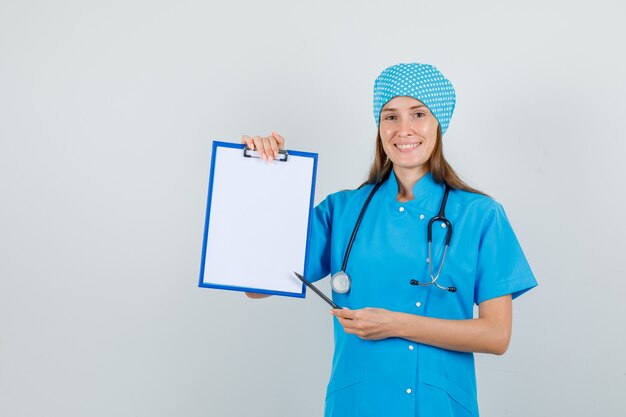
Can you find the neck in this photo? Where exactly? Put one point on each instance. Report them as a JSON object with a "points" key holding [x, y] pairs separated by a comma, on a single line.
{"points": [[407, 178]]}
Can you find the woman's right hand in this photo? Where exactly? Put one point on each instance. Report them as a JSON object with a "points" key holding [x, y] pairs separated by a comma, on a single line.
{"points": [[256, 295], [267, 147]]}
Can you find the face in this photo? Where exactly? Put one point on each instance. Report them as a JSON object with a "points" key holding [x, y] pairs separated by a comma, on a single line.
{"points": [[408, 131]]}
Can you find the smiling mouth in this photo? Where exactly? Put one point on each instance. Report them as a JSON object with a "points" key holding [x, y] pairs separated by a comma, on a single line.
{"points": [[407, 147]]}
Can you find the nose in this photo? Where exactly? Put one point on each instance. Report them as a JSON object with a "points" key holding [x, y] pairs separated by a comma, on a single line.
{"points": [[405, 127]]}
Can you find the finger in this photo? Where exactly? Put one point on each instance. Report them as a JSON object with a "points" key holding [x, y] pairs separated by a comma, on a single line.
{"points": [[267, 148], [260, 147], [273, 143], [248, 141], [347, 324], [279, 140], [344, 313], [350, 328]]}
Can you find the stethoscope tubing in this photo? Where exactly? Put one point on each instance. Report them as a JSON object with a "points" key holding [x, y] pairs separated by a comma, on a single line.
{"points": [[440, 217], [341, 281], [357, 225]]}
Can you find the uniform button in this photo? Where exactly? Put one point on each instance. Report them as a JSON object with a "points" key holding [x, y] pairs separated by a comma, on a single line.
{"points": [[418, 304], [411, 347], [409, 390], [443, 225], [421, 217], [401, 209]]}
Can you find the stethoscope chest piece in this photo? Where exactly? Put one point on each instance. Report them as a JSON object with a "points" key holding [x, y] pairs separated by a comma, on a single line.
{"points": [[340, 282]]}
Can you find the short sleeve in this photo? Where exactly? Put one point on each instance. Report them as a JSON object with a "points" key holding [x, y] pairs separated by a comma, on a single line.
{"points": [[318, 255], [502, 267]]}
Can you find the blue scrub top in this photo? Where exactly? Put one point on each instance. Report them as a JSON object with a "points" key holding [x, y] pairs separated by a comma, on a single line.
{"points": [[398, 377]]}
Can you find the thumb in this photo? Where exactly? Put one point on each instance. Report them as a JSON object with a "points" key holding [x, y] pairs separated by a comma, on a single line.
{"points": [[341, 312]]}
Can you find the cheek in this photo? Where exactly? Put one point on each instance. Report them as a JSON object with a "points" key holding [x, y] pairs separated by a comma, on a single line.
{"points": [[384, 134], [431, 139], [430, 130], [383, 138]]}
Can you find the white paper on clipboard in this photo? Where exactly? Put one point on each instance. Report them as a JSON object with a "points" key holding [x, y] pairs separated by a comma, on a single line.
{"points": [[257, 221]]}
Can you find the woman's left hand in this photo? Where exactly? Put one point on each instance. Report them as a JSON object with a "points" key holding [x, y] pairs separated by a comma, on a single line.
{"points": [[367, 323]]}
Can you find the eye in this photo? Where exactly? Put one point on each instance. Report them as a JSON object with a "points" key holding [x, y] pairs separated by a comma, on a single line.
{"points": [[419, 114], [390, 117]]}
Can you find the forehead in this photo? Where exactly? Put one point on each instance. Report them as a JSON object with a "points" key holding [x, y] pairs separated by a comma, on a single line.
{"points": [[402, 102]]}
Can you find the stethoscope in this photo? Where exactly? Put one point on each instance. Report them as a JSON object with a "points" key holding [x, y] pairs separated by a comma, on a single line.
{"points": [[341, 282]]}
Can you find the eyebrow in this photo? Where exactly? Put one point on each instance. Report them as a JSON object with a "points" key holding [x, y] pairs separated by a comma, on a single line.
{"points": [[410, 108]]}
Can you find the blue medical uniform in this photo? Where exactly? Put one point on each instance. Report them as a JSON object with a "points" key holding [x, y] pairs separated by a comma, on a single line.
{"points": [[397, 377]]}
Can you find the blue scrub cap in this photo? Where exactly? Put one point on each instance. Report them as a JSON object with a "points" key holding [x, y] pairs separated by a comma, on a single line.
{"points": [[420, 81]]}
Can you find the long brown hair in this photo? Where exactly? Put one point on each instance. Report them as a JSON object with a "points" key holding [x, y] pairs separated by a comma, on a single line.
{"points": [[439, 168]]}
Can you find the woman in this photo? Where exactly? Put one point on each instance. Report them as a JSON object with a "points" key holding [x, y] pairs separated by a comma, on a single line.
{"points": [[404, 342]]}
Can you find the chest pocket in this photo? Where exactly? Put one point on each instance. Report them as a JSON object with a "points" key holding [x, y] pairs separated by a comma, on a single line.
{"points": [[459, 272], [436, 301]]}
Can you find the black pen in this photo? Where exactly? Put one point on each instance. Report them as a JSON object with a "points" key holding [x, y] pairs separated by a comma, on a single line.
{"points": [[318, 292]]}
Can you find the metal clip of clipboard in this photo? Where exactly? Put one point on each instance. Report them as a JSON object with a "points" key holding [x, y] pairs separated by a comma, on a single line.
{"points": [[283, 155]]}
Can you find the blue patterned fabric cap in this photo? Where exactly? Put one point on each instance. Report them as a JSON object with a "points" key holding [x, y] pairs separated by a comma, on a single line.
{"points": [[420, 81]]}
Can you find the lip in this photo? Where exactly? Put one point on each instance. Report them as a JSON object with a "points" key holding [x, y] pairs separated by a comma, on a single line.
{"points": [[407, 147]]}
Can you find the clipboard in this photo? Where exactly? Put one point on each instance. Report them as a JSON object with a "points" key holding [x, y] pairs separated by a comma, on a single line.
{"points": [[258, 220]]}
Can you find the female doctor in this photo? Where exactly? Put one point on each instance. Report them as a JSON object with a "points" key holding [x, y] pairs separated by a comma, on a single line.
{"points": [[404, 340]]}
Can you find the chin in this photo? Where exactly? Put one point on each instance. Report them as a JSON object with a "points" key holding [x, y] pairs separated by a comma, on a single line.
{"points": [[411, 164]]}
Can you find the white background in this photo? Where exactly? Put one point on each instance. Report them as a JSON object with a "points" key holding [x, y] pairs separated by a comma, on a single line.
{"points": [[107, 110]]}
